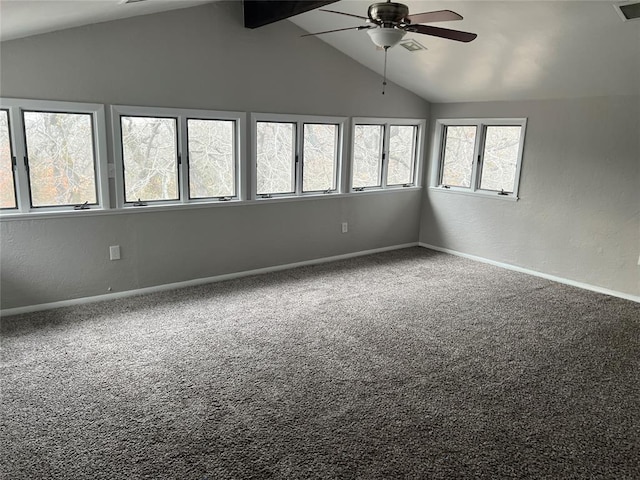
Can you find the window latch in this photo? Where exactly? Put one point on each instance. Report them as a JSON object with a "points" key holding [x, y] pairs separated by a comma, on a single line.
{"points": [[358, 189], [84, 206], [445, 186], [407, 185], [26, 164], [14, 164], [266, 195], [502, 192], [139, 203], [224, 199], [328, 190]]}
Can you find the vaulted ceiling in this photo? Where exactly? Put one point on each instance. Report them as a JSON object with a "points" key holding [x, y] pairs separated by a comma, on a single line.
{"points": [[524, 50]]}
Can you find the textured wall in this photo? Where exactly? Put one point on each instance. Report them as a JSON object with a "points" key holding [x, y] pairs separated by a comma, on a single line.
{"points": [[578, 216], [194, 58], [198, 57]]}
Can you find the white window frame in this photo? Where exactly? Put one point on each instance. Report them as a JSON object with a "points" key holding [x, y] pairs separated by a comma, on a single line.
{"points": [[387, 123], [181, 115], [481, 125], [15, 107], [299, 121]]}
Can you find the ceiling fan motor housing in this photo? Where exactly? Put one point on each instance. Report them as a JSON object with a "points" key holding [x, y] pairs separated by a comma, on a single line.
{"points": [[388, 14]]}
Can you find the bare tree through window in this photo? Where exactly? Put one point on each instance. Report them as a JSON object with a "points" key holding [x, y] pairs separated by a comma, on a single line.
{"points": [[402, 154], [367, 155], [7, 184], [275, 157], [211, 158], [60, 150], [457, 164], [320, 157], [501, 147], [149, 151]]}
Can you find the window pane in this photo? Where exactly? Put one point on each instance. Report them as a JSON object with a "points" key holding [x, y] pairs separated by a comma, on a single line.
{"points": [[367, 155], [402, 154], [275, 157], [7, 185], [457, 164], [320, 157], [500, 158], [61, 158], [149, 152], [211, 158]]}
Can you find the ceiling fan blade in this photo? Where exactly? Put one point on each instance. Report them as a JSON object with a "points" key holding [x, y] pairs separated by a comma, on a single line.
{"points": [[456, 35], [337, 30], [439, 16], [342, 13]]}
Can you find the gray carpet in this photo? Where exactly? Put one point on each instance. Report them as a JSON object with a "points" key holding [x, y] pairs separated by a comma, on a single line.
{"points": [[407, 364]]}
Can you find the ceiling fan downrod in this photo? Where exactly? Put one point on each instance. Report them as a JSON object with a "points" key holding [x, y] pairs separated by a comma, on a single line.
{"points": [[384, 78]]}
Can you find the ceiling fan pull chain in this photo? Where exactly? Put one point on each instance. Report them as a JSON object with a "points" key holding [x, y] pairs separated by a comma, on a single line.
{"points": [[384, 80]]}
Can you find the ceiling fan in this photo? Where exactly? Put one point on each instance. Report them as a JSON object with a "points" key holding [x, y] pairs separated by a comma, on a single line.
{"points": [[387, 22]]}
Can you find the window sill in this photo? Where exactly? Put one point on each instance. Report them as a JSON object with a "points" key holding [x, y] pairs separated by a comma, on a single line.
{"points": [[129, 209], [481, 194]]}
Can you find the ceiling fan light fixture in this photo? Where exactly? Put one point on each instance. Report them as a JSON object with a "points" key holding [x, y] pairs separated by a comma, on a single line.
{"points": [[386, 37]]}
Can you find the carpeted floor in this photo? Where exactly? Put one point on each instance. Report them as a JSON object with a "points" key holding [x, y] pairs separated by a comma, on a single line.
{"points": [[407, 364]]}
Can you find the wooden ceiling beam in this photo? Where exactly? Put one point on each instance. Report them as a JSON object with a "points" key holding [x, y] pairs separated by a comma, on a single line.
{"points": [[258, 13]]}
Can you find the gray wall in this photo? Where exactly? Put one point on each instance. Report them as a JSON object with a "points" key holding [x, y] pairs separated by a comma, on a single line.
{"points": [[578, 216], [195, 58]]}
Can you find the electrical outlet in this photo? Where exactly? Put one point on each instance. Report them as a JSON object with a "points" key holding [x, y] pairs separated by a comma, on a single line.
{"points": [[345, 227], [114, 252]]}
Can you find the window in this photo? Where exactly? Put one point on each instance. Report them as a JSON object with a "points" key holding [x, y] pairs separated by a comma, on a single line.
{"points": [[321, 147], [296, 155], [385, 153], [60, 158], [212, 158], [57, 159], [7, 159], [480, 156], [367, 156], [402, 154], [53, 156], [166, 155], [275, 157], [500, 156], [150, 158]]}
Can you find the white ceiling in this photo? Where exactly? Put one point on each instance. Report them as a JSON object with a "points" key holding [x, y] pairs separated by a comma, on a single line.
{"points": [[524, 50]]}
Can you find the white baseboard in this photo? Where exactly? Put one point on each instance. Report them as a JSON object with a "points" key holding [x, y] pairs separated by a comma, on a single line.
{"points": [[573, 283], [198, 281]]}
